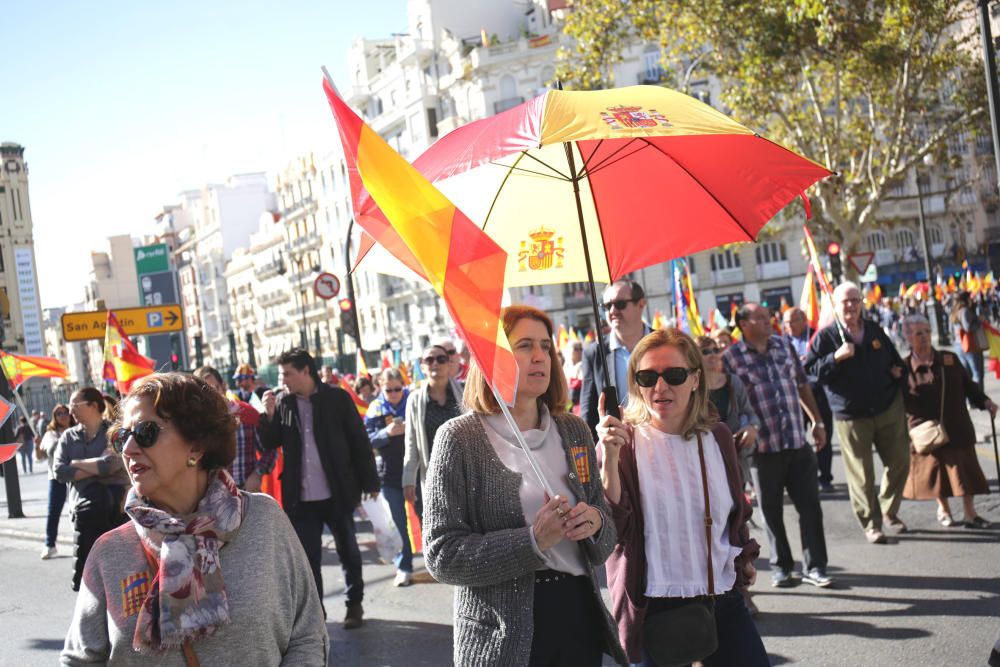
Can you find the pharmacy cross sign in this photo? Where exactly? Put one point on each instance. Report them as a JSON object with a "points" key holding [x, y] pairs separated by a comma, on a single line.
{"points": [[326, 285]]}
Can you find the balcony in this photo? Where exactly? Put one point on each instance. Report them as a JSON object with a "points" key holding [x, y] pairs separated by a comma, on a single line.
{"points": [[272, 298], [276, 326], [727, 276], [317, 311], [268, 270], [414, 50], [772, 270], [299, 209], [307, 242]]}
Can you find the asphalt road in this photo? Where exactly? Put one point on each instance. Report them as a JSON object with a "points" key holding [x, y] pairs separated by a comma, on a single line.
{"points": [[932, 597]]}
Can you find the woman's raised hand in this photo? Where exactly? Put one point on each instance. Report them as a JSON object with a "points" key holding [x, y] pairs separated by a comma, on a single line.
{"points": [[611, 432], [548, 525]]}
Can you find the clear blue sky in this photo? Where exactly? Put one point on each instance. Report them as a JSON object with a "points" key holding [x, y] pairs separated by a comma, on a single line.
{"points": [[121, 105]]}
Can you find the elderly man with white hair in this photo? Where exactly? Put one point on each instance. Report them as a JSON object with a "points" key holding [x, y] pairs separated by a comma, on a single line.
{"points": [[863, 374]]}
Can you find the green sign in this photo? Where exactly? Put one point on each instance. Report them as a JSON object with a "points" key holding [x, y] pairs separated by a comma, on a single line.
{"points": [[152, 259]]}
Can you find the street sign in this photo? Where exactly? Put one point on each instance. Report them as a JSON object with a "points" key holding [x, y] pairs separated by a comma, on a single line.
{"points": [[135, 321], [861, 260], [152, 259], [871, 275], [326, 285]]}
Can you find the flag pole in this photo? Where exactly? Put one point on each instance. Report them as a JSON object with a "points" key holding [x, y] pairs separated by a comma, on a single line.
{"points": [[524, 445], [18, 401]]}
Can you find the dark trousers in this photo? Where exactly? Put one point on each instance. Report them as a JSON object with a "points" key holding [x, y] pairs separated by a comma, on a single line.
{"points": [[739, 641], [793, 470], [308, 520], [57, 498], [397, 505], [27, 465], [824, 457], [568, 630], [91, 520]]}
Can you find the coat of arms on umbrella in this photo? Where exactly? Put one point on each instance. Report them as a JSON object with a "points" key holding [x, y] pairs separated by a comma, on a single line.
{"points": [[620, 118], [543, 251]]}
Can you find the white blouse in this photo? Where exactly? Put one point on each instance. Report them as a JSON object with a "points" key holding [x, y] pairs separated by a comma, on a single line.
{"points": [[546, 444], [673, 509]]}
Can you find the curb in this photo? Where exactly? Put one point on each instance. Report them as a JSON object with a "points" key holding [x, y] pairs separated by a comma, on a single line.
{"points": [[28, 535]]}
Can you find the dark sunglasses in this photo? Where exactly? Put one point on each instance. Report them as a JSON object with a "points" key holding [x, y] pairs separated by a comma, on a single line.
{"points": [[672, 376], [392, 390], [62, 413], [620, 304], [710, 350], [145, 434], [439, 359]]}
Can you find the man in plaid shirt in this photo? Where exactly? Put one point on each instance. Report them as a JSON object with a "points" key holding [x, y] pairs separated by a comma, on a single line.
{"points": [[247, 469], [777, 386]]}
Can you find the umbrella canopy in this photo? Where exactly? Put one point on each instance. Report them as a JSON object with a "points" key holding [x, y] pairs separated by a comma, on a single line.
{"points": [[629, 177]]}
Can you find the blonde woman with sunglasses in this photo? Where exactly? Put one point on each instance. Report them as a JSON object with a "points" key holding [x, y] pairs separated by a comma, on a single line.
{"points": [[668, 465]]}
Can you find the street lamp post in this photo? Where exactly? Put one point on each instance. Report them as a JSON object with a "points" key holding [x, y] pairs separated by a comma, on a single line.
{"points": [[939, 330], [298, 259]]}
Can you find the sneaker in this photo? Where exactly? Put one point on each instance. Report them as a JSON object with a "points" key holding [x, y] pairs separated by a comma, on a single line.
{"points": [[781, 579], [894, 522], [875, 536], [946, 520], [402, 578], [826, 487], [354, 617], [817, 577], [49, 552]]}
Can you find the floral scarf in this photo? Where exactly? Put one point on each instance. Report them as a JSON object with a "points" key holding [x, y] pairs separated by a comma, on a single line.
{"points": [[187, 597]]}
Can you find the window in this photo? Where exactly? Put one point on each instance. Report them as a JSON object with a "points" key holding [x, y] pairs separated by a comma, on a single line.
{"points": [[877, 241], [934, 234], [770, 252], [984, 143], [897, 189], [905, 239], [956, 143], [653, 71], [725, 260], [432, 123]]}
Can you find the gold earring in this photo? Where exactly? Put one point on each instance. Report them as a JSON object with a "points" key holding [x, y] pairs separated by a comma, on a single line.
{"points": [[192, 462]]}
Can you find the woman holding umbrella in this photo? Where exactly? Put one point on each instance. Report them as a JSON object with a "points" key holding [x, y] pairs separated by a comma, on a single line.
{"points": [[675, 574], [938, 387], [523, 563]]}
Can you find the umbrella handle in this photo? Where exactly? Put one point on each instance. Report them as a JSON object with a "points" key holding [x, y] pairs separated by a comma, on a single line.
{"points": [[611, 403]]}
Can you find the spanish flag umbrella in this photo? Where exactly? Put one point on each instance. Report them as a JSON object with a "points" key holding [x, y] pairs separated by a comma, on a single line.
{"points": [[592, 185]]}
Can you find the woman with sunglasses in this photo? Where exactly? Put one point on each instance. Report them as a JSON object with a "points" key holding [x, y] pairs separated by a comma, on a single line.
{"points": [[85, 461], [61, 420], [938, 387], [667, 467], [386, 425], [522, 563], [204, 572], [427, 409]]}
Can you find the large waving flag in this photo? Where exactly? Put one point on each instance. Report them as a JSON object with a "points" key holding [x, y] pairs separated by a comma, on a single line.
{"points": [[685, 305], [809, 301], [123, 364], [19, 368], [465, 267]]}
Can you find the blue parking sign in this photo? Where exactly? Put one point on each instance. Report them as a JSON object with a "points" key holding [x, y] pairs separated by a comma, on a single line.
{"points": [[154, 319]]}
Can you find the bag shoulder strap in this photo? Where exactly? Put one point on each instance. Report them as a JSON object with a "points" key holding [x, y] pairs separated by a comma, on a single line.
{"points": [[943, 382], [708, 517]]}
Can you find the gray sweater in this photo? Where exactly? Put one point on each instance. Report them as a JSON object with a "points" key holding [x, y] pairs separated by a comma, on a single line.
{"points": [[475, 539], [273, 604]]}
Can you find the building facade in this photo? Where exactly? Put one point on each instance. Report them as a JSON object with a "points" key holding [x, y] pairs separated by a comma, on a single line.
{"points": [[20, 304]]}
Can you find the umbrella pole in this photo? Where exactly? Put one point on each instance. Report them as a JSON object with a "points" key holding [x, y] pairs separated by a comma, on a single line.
{"points": [[996, 455], [524, 445], [611, 405]]}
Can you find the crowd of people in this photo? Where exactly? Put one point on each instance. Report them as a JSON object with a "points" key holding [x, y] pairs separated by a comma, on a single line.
{"points": [[178, 552]]}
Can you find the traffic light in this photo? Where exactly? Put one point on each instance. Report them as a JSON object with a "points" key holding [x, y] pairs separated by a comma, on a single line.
{"points": [[175, 352], [348, 318], [836, 268]]}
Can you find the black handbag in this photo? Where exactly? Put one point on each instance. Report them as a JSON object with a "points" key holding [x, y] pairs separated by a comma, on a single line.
{"points": [[687, 633]]}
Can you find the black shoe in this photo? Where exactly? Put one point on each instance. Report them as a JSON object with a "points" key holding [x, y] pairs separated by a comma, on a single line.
{"points": [[354, 617]]}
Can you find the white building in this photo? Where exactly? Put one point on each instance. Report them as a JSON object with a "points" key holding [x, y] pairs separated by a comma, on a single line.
{"points": [[210, 224]]}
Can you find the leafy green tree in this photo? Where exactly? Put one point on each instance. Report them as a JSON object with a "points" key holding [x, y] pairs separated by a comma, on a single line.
{"points": [[866, 88]]}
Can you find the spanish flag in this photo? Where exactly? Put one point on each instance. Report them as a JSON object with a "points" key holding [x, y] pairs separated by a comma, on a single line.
{"points": [[123, 364], [809, 301], [993, 336], [465, 267], [358, 402], [19, 368], [362, 366]]}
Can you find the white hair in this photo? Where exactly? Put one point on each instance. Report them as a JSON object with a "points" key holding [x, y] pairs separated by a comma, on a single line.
{"points": [[843, 288], [913, 319]]}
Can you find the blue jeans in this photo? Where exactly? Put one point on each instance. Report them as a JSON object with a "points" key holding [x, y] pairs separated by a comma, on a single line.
{"points": [[739, 641], [57, 498], [397, 505], [27, 466], [973, 362]]}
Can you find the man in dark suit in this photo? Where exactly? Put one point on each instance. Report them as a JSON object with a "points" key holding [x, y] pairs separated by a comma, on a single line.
{"points": [[623, 303], [328, 464]]}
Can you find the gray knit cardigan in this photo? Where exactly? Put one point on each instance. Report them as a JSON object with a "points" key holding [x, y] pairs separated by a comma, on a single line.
{"points": [[475, 539]]}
